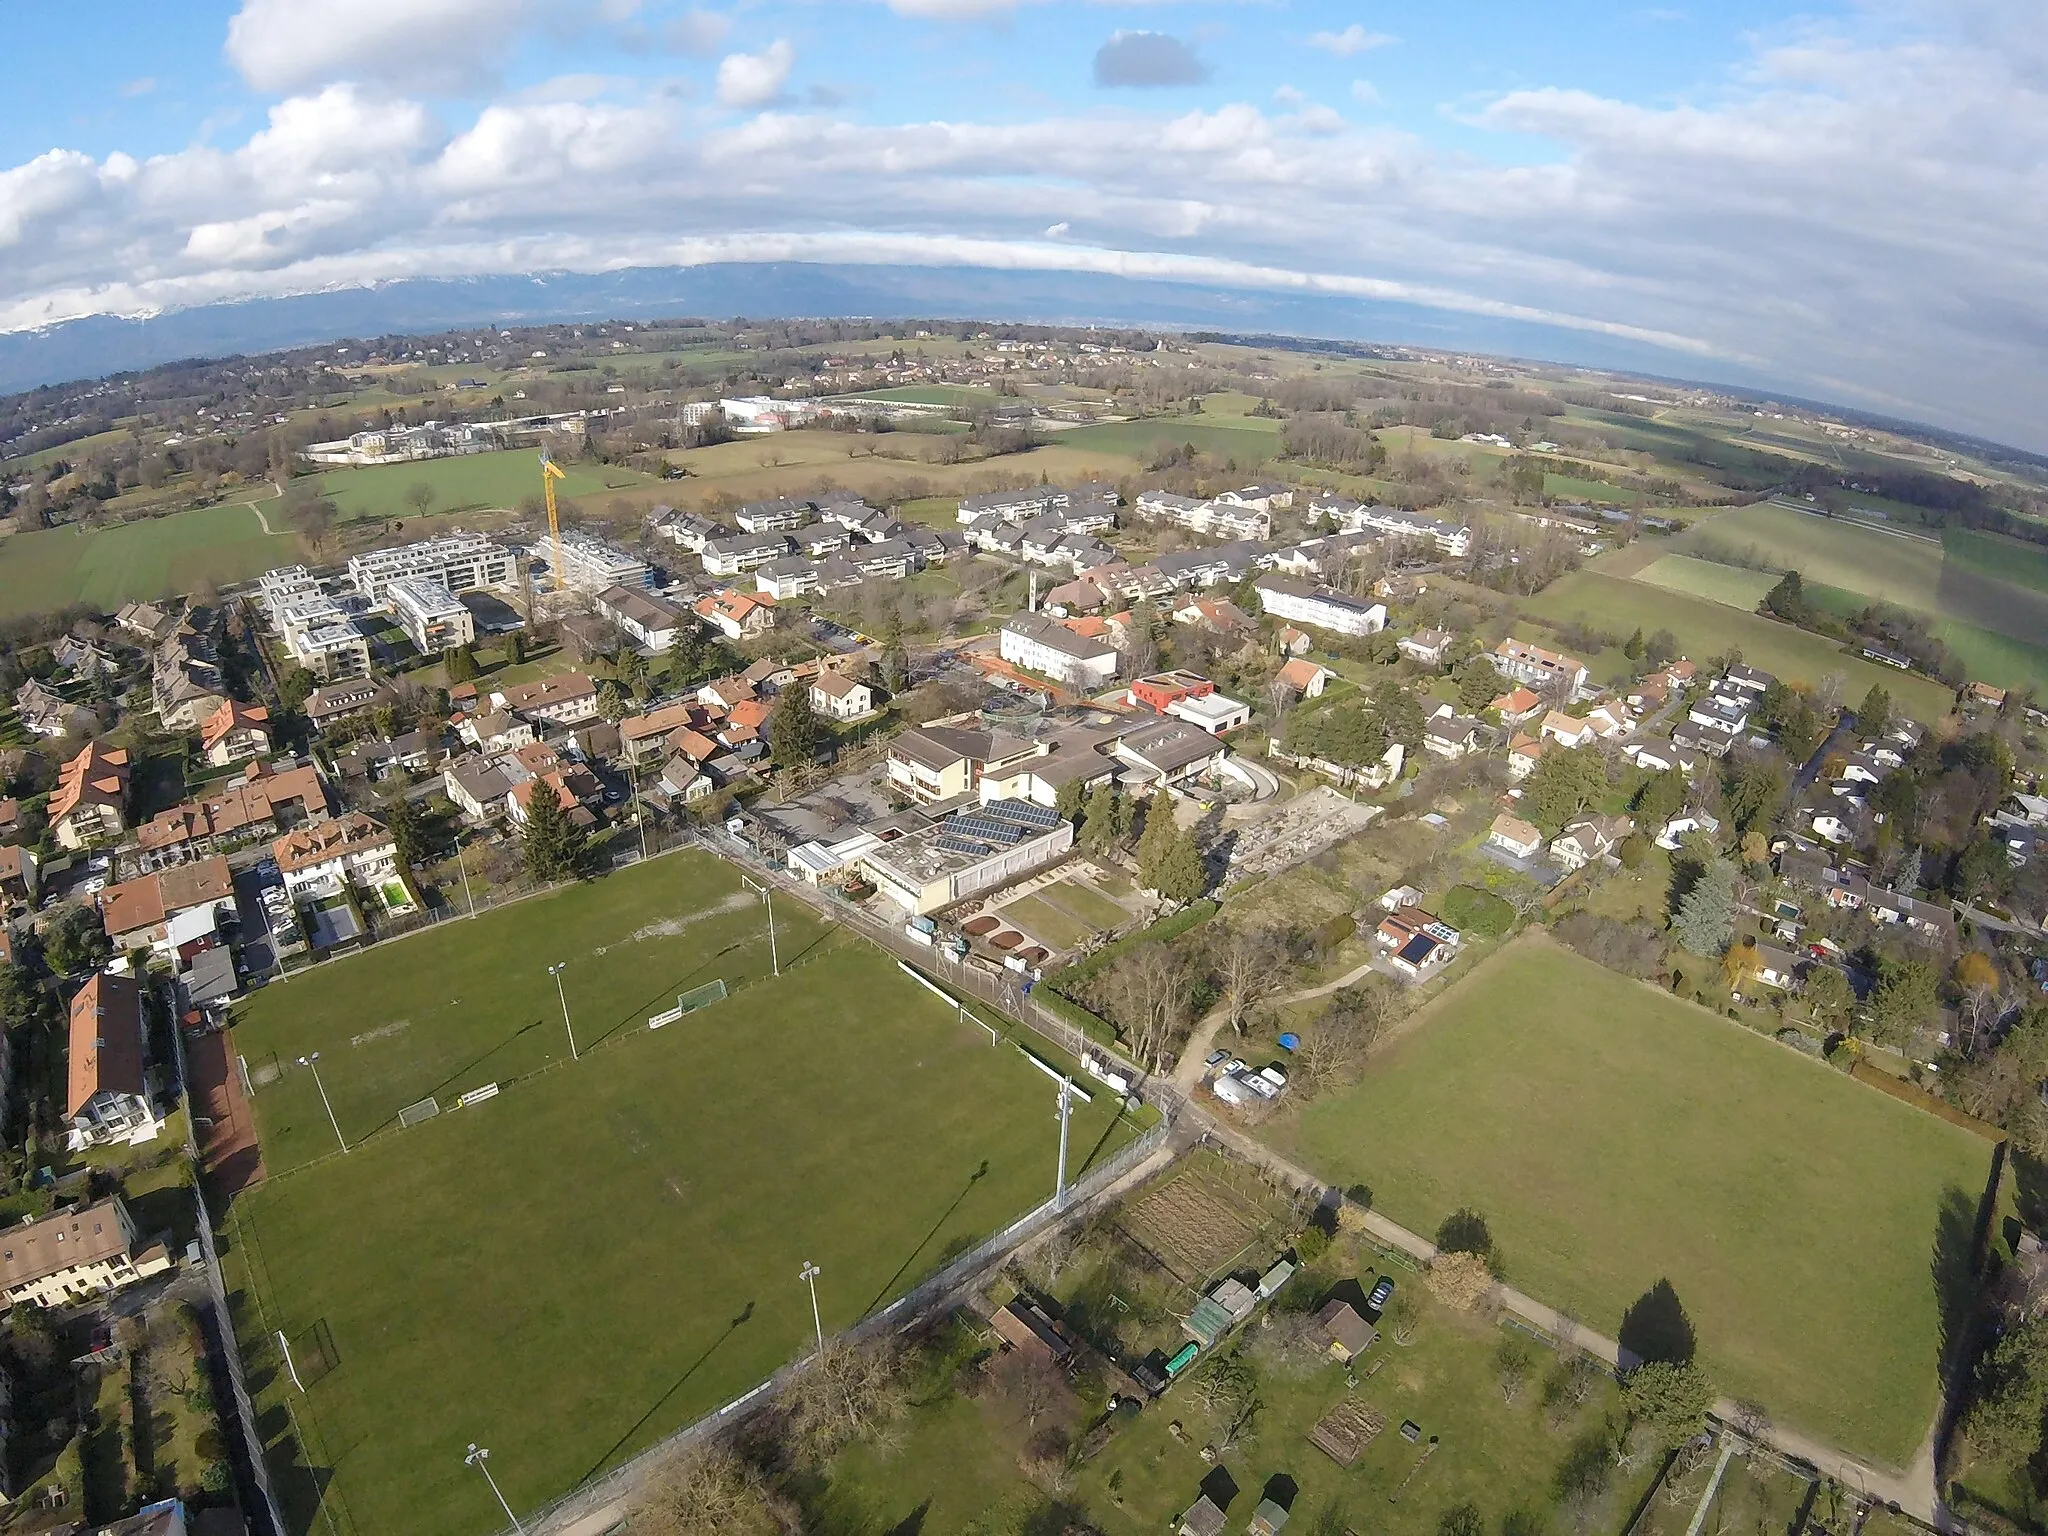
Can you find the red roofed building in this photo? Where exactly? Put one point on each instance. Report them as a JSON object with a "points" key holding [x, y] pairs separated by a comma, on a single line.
{"points": [[737, 615], [107, 1098], [235, 733], [91, 798]]}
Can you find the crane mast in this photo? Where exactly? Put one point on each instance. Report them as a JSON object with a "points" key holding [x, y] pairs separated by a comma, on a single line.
{"points": [[550, 472]]}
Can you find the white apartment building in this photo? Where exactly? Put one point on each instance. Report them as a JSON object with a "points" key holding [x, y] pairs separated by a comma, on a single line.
{"points": [[460, 562], [286, 585], [323, 639], [592, 565], [1320, 607], [743, 552], [1349, 516], [324, 858], [75, 1255], [432, 617], [1216, 519], [1521, 662], [1047, 647], [782, 515]]}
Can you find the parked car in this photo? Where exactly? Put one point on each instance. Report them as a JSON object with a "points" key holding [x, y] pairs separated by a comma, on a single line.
{"points": [[1382, 1293], [1274, 1076], [1258, 1085], [1217, 1058]]}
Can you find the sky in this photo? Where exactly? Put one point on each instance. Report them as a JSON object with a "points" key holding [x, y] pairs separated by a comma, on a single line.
{"points": [[1848, 200]]}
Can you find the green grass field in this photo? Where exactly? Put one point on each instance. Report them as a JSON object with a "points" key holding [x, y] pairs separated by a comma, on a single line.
{"points": [[610, 1249], [1045, 922], [464, 484], [469, 1003], [1830, 550], [1140, 440], [1727, 584], [106, 567], [1575, 489], [1707, 629], [1994, 555], [955, 395], [1614, 1137]]}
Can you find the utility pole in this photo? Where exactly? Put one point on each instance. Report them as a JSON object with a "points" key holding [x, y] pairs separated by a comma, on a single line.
{"points": [[556, 972], [1059, 1191], [768, 896], [312, 1064], [810, 1273], [480, 1458]]}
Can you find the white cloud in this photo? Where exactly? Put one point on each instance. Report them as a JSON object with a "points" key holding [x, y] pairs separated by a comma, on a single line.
{"points": [[1366, 92], [1057, 231], [755, 79], [1349, 43], [696, 32], [431, 45], [1289, 96]]}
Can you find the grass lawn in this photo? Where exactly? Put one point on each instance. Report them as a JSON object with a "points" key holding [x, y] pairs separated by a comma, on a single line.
{"points": [[462, 484], [1046, 922], [1090, 906], [1727, 584], [468, 1003], [1561, 486], [1248, 447], [955, 395], [1613, 1137], [106, 567], [1708, 629], [570, 1271]]}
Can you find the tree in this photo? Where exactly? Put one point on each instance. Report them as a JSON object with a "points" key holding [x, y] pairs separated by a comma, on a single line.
{"points": [[1148, 991], [1706, 917], [1335, 1046], [685, 656], [1181, 876], [1907, 996], [1632, 648], [1070, 800], [408, 824], [1158, 837], [1830, 1000], [1478, 686], [1098, 826], [793, 730], [611, 701], [708, 1490], [311, 513], [551, 847], [1874, 714], [1752, 793], [1512, 1362], [459, 665], [1661, 647], [1666, 1403], [295, 687], [1403, 1316], [1460, 1280], [2004, 1421], [1787, 600], [76, 941], [1976, 969], [847, 1393], [1661, 797], [1250, 963], [1563, 786], [419, 496]]}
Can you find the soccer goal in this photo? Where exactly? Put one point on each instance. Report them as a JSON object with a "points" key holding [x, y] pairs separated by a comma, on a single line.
{"points": [[413, 1114], [689, 1002]]}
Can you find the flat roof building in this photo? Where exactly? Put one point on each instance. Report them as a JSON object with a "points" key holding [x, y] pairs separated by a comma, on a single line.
{"points": [[461, 562], [432, 617]]}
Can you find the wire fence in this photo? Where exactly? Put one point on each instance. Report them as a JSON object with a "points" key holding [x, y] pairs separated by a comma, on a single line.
{"points": [[224, 1320], [595, 1497]]}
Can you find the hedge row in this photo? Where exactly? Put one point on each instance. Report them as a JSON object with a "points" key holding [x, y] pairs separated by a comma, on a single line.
{"points": [[1920, 1098], [1193, 915]]}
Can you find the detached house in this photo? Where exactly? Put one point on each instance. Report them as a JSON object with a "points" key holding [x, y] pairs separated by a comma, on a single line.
{"points": [[235, 733], [1593, 838], [566, 700], [841, 698], [76, 1255], [737, 615], [1514, 836], [91, 798], [107, 1097], [1426, 646], [329, 856]]}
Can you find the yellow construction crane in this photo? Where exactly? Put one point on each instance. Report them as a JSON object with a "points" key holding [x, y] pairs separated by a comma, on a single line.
{"points": [[550, 472]]}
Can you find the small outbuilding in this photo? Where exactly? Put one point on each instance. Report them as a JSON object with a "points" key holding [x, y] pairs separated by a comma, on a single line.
{"points": [[1346, 1333]]}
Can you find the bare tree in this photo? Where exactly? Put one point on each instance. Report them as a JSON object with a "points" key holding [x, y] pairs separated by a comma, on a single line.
{"points": [[1150, 989], [1512, 1363], [708, 1490], [1229, 1397], [1030, 1381], [1250, 962], [847, 1392]]}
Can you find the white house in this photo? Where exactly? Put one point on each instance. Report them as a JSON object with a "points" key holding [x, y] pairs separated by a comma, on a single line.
{"points": [[1320, 607], [327, 856], [650, 621], [841, 698], [1039, 644], [1515, 836]]}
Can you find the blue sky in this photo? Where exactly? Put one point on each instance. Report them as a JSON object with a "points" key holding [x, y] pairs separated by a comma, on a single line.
{"points": [[1846, 199]]}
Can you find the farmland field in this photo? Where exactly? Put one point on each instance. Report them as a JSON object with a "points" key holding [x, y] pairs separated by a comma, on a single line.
{"points": [[464, 484], [1830, 550], [608, 1248], [1247, 446], [1990, 554], [1727, 584], [1708, 629], [1613, 1136], [55, 567]]}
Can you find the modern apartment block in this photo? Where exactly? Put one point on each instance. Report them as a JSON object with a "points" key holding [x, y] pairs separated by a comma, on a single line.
{"points": [[432, 617], [591, 565], [460, 562], [323, 639]]}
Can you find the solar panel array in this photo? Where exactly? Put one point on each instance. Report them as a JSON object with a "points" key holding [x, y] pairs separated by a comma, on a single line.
{"points": [[1039, 818]]}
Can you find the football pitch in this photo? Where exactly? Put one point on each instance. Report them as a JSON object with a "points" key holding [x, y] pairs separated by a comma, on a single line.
{"points": [[610, 1247], [1614, 1137]]}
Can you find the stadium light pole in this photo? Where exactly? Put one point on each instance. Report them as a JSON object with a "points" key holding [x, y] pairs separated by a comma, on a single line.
{"points": [[768, 896], [480, 1458], [1059, 1188], [556, 972], [810, 1273], [312, 1064]]}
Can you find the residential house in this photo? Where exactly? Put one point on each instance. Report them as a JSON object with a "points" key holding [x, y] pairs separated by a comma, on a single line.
{"points": [[259, 804], [777, 516], [1516, 705], [1777, 968], [1218, 614], [146, 620], [1345, 1334], [334, 702], [1567, 730], [140, 913], [477, 787], [1515, 836], [1449, 734], [1427, 647], [1264, 496], [652, 623], [1029, 1330], [1592, 838], [1416, 942], [565, 700], [329, 856], [1680, 827], [1541, 669], [1524, 752], [645, 734], [737, 615], [744, 552], [82, 656], [1293, 642], [90, 801], [838, 697], [1453, 539], [689, 530], [1209, 566], [1319, 607], [1305, 678], [1045, 646], [684, 779], [107, 1097], [46, 712], [570, 787], [1663, 756], [19, 875], [498, 731], [76, 1255], [185, 683], [234, 733], [1747, 680]]}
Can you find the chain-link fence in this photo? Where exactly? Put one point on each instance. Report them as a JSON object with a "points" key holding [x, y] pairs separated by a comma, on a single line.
{"points": [[619, 1485]]}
